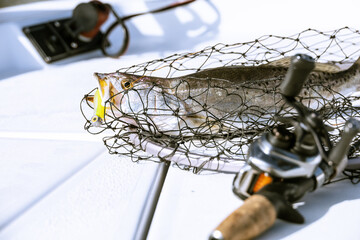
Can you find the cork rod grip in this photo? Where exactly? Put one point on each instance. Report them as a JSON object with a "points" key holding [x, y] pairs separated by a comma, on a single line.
{"points": [[255, 216]]}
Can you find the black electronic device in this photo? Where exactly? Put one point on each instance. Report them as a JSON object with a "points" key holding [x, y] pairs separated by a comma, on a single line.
{"points": [[54, 42], [64, 38]]}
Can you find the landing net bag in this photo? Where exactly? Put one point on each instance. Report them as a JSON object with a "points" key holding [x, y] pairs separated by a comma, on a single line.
{"points": [[220, 141]]}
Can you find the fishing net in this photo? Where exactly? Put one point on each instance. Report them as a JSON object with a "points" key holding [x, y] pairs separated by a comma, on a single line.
{"points": [[220, 140]]}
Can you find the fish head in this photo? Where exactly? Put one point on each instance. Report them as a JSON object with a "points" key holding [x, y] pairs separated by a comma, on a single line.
{"points": [[126, 95]]}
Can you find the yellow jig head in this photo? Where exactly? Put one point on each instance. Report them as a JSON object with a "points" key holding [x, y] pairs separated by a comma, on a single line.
{"points": [[99, 110]]}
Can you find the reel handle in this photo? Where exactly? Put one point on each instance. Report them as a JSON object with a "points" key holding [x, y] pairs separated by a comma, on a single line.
{"points": [[300, 68], [338, 155], [254, 217]]}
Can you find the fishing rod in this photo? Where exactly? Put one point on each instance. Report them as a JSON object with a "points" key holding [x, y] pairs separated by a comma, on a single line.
{"points": [[283, 165]]}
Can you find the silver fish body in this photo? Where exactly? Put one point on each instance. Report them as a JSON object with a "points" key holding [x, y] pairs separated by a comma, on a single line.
{"points": [[215, 100]]}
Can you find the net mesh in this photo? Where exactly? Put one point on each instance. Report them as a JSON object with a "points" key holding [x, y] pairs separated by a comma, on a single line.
{"points": [[214, 133]]}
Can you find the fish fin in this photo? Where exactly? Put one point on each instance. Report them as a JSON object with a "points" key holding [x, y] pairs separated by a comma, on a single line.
{"points": [[326, 67], [208, 125], [319, 67], [283, 62]]}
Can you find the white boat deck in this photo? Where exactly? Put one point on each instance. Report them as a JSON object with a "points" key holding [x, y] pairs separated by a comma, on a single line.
{"points": [[59, 182]]}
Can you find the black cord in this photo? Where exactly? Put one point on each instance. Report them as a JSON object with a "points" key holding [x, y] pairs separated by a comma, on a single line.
{"points": [[120, 21], [105, 43]]}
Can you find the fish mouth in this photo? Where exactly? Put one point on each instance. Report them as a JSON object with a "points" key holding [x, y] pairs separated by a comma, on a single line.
{"points": [[105, 87], [113, 96], [111, 91], [99, 78]]}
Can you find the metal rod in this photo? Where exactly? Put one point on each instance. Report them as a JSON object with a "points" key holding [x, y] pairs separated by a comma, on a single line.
{"points": [[149, 207]]}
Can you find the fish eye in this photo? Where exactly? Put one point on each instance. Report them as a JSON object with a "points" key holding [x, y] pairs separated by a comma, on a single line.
{"points": [[125, 84]]}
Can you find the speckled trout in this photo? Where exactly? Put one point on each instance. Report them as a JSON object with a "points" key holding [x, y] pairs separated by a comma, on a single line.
{"points": [[214, 99]]}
